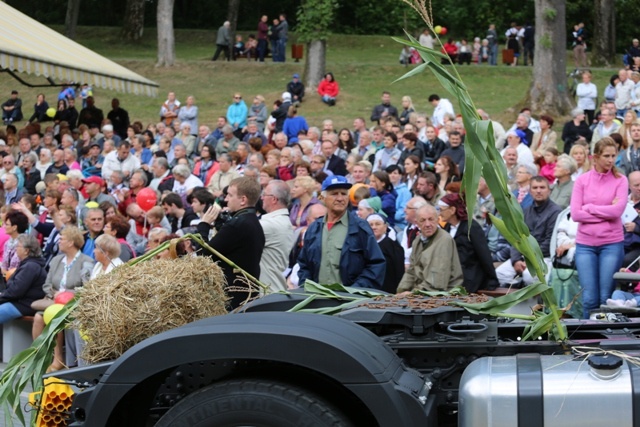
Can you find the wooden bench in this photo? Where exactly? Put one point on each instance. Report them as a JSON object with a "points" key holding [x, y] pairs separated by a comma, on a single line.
{"points": [[16, 336]]}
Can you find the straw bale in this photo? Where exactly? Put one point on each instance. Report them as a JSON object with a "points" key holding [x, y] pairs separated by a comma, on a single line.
{"points": [[132, 303]]}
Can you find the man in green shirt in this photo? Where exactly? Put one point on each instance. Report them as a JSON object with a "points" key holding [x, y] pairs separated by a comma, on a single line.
{"points": [[340, 247]]}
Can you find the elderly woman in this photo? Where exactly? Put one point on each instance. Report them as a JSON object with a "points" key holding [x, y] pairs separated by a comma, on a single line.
{"points": [[473, 251], [188, 140], [392, 251], [30, 173], [67, 271], [563, 186], [118, 227], [184, 180], [576, 130], [524, 173], [514, 140], [25, 284], [71, 159], [303, 199], [107, 254]]}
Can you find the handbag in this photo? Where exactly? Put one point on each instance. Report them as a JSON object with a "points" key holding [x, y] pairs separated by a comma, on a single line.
{"points": [[566, 285]]}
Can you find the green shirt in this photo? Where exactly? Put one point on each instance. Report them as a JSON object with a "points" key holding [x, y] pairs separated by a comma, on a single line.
{"points": [[332, 242]]}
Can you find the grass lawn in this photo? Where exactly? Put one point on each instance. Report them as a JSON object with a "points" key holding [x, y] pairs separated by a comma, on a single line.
{"points": [[364, 66]]}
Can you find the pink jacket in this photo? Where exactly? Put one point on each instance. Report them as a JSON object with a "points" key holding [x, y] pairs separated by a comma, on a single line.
{"points": [[599, 219]]}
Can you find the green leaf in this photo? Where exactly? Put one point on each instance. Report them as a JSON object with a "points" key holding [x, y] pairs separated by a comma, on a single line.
{"points": [[498, 305], [302, 304]]}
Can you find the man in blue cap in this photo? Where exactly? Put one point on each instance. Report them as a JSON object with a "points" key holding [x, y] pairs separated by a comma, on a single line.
{"points": [[340, 247], [296, 89]]}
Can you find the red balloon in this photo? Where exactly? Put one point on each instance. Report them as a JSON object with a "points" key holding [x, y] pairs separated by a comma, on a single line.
{"points": [[64, 297], [146, 199], [443, 31]]}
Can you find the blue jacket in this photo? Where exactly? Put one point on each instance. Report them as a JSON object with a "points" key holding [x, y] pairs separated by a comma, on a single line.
{"points": [[361, 261], [237, 113], [293, 125], [403, 197], [389, 204]]}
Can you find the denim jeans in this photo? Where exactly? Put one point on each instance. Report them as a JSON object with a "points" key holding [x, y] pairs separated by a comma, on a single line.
{"points": [[596, 266], [625, 296], [8, 312], [493, 55]]}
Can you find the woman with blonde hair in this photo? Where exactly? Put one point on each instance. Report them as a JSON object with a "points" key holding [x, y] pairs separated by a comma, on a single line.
{"points": [[303, 195], [630, 117], [407, 110], [580, 153]]}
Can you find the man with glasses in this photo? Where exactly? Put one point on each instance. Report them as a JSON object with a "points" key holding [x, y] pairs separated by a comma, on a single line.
{"points": [[278, 234], [9, 166], [412, 230], [340, 247]]}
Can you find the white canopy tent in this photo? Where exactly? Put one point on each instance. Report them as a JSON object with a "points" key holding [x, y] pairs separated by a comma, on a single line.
{"points": [[27, 46]]}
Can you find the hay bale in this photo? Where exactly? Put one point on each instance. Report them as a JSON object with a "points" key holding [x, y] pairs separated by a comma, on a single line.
{"points": [[132, 303]]}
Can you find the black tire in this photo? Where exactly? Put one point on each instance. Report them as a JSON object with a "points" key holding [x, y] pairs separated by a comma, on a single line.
{"points": [[253, 402]]}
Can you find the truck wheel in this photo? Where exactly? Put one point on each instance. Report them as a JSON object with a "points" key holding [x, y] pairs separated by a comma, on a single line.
{"points": [[253, 402]]}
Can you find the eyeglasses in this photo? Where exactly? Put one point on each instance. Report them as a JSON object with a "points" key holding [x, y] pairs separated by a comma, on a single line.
{"points": [[237, 97], [268, 195], [7, 162]]}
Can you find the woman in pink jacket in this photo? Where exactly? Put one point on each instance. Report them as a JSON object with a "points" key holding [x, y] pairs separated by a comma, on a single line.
{"points": [[598, 200], [328, 89]]}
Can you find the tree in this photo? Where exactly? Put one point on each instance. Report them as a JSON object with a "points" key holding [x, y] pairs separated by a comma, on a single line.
{"points": [[604, 33], [314, 20], [232, 17], [133, 20], [548, 93], [71, 18], [166, 39]]}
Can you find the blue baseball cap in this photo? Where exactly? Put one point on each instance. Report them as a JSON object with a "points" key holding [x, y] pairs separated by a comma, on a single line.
{"points": [[334, 182], [296, 76]]}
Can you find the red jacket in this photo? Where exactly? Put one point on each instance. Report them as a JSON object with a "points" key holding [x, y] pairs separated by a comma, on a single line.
{"points": [[329, 88]]}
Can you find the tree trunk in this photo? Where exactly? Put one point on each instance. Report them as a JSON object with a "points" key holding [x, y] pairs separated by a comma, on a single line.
{"points": [[133, 27], [314, 64], [166, 40], [232, 17], [71, 19], [604, 33], [548, 93]]}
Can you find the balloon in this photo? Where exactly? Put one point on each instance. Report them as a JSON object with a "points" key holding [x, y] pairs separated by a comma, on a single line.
{"points": [[64, 297], [443, 31], [50, 312], [51, 112], [438, 29], [146, 199]]}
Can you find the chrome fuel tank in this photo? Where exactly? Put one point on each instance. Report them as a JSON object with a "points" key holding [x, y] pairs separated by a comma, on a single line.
{"points": [[531, 390]]}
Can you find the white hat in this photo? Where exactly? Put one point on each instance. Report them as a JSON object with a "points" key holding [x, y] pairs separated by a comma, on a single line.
{"points": [[107, 127], [286, 96]]}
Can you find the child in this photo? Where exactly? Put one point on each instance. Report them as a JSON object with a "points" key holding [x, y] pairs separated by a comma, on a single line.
{"points": [[550, 159], [475, 56], [85, 92], [484, 52], [250, 47], [154, 218], [238, 47]]}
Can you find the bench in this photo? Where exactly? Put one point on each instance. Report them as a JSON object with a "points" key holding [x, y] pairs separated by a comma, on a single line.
{"points": [[16, 336]]}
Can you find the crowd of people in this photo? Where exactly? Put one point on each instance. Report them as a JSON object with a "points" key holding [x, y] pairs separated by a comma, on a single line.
{"points": [[377, 205]]}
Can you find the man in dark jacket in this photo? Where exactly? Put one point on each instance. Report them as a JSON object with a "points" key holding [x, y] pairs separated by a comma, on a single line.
{"points": [[341, 240], [296, 89], [12, 109], [241, 239], [223, 42], [179, 216], [385, 109], [281, 113], [541, 219], [119, 118]]}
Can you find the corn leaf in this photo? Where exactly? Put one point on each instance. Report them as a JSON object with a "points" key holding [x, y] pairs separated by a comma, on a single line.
{"points": [[498, 305]]}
